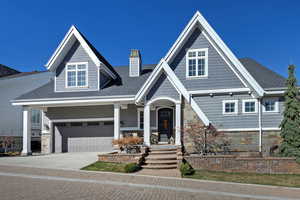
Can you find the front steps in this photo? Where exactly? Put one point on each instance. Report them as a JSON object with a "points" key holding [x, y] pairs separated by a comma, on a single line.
{"points": [[161, 157]]}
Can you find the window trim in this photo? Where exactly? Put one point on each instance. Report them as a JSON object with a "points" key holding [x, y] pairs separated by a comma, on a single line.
{"points": [[197, 57], [235, 107], [139, 110], [276, 99], [76, 74], [244, 107]]}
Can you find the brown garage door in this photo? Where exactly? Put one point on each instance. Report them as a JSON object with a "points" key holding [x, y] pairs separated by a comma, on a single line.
{"points": [[83, 137]]}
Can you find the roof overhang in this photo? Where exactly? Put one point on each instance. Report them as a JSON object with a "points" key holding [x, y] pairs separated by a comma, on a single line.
{"points": [[79, 101]]}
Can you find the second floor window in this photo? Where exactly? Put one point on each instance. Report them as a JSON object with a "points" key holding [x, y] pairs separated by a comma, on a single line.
{"points": [[196, 63], [76, 74]]}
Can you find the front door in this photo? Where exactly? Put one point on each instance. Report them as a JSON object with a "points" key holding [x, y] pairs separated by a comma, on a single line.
{"points": [[165, 124]]}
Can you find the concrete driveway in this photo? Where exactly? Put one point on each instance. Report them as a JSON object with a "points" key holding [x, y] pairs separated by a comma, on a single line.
{"points": [[52, 161]]}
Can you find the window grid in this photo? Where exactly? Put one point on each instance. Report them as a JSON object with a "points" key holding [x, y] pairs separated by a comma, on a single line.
{"points": [[270, 105], [77, 75], [230, 107], [197, 63]]}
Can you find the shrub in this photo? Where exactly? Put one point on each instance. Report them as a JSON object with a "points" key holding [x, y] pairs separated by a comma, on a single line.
{"points": [[186, 169], [129, 144], [131, 167]]}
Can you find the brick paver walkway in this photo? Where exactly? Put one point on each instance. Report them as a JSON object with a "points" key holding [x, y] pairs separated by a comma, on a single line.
{"points": [[35, 183]]}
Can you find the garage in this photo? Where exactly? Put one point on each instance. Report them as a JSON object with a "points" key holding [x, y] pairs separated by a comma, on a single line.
{"points": [[93, 136]]}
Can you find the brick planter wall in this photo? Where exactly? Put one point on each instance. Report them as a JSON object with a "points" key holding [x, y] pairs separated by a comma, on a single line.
{"points": [[271, 165], [120, 158]]}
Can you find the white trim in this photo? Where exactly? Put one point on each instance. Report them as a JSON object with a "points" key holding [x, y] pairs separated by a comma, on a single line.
{"points": [[72, 32], [78, 101], [163, 98], [259, 126], [274, 92], [197, 57], [134, 128], [219, 91], [235, 107], [250, 129], [210, 31], [249, 100], [276, 106], [76, 74], [83, 120]]}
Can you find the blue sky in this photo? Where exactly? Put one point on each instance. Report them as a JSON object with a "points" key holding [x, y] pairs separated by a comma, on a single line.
{"points": [[268, 31]]}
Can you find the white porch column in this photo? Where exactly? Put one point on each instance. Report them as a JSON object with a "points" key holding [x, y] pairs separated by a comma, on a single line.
{"points": [[178, 124], [116, 121], [147, 130], [26, 131]]}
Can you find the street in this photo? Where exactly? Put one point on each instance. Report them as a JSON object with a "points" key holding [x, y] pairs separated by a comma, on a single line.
{"points": [[36, 183]]}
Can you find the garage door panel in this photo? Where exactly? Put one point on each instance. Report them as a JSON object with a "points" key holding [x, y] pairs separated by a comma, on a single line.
{"points": [[83, 138]]}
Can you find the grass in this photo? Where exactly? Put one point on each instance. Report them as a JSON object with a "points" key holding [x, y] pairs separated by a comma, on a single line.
{"points": [[287, 180], [105, 166]]}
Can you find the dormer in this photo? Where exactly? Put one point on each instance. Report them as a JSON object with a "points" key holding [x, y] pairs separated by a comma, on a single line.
{"points": [[78, 66]]}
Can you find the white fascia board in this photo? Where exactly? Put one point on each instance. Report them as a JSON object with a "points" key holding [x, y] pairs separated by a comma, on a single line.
{"points": [[219, 91], [274, 92], [215, 37], [72, 32], [83, 120], [73, 102], [249, 129], [146, 86]]}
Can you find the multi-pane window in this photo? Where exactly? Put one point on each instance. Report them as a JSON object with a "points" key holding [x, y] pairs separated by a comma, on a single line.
{"points": [[77, 75], [197, 62], [230, 107], [270, 105], [35, 117], [141, 118], [249, 106]]}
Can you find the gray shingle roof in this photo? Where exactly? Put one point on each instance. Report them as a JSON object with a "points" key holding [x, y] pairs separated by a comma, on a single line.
{"points": [[130, 85], [265, 77], [127, 86], [6, 71]]}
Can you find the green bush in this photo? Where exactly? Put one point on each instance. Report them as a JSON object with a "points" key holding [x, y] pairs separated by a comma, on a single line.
{"points": [[186, 169], [131, 167]]}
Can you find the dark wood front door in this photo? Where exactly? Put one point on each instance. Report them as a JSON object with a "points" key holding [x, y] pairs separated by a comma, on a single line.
{"points": [[165, 124]]}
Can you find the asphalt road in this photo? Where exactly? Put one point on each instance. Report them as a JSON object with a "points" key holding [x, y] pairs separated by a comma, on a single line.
{"points": [[36, 183]]}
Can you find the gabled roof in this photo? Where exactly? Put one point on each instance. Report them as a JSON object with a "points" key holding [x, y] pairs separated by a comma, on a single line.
{"points": [[72, 35], [199, 21], [267, 78], [6, 71]]}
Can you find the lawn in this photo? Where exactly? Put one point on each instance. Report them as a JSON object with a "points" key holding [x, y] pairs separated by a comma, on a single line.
{"points": [[288, 180], [105, 166]]}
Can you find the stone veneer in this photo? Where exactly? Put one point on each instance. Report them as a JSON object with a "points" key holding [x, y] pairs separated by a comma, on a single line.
{"points": [[239, 141], [46, 143]]}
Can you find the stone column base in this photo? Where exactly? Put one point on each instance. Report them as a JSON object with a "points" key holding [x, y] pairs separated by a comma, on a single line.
{"points": [[46, 143]]}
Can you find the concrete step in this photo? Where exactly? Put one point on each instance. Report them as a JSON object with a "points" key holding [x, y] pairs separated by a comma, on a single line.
{"points": [[162, 157], [162, 152], [159, 166], [163, 147], [158, 162]]}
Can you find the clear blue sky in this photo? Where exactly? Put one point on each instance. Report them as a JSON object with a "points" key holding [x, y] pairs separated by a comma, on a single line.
{"points": [[268, 31]]}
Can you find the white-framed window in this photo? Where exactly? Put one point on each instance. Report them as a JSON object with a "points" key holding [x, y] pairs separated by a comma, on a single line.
{"points": [[250, 106], [77, 74], [140, 119], [270, 105], [230, 107], [197, 63]]}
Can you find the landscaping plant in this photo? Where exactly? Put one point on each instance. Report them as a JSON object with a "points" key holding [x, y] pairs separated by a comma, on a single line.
{"points": [[186, 169], [131, 167], [129, 144], [290, 125]]}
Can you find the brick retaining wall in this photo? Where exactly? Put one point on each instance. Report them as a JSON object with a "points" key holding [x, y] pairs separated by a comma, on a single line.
{"points": [[120, 158], [228, 163]]}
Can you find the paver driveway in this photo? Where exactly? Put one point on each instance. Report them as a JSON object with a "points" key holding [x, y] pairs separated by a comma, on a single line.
{"points": [[52, 161]]}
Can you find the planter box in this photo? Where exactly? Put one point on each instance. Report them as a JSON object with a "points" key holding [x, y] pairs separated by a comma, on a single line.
{"points": [[120, 157]]}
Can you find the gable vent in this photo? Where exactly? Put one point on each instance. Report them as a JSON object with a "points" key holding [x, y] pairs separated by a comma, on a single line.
{"points": [[135, 63]]}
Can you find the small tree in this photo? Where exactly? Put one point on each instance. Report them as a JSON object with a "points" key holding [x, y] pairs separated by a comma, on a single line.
{"points": [[290, 125]]}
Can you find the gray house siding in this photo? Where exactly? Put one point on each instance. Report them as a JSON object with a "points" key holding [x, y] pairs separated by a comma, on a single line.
{"points": [[213, 109], [77, 54], [11, 116], [220, 75], [163, 88]]}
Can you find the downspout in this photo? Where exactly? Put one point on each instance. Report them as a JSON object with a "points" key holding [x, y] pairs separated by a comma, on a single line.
{"points": [[259, 126]]}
